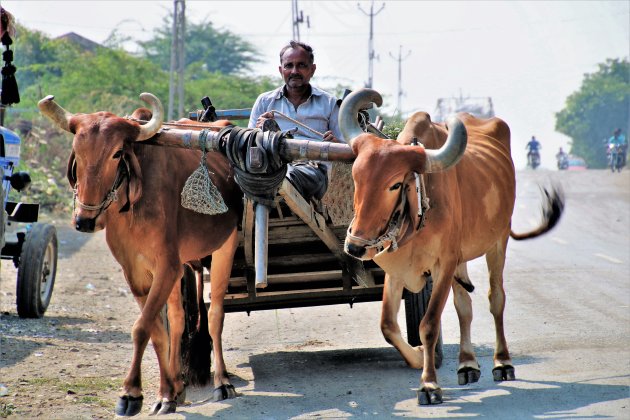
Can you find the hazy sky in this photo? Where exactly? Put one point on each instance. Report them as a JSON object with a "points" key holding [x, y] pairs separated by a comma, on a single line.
{"points": [[528, 56]]}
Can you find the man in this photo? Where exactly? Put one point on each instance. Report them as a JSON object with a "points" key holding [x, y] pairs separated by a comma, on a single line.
{"points": [[619, 139], [303, 102]]}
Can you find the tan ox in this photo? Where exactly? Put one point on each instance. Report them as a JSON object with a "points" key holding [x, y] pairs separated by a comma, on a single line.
{"points": [[469, 215], [132, 190]]}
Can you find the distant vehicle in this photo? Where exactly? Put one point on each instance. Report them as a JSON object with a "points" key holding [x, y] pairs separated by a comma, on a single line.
{"points": [[615, 157], [576, 163], [563, 162], [480, 107], [533, 159]]}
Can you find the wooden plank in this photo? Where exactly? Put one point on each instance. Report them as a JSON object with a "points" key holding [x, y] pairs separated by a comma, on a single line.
{"points": [[248, 232], [314, 220]]}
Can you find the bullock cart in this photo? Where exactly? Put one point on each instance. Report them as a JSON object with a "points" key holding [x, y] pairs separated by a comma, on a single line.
{"points": [[290, 253], [31, 246]]}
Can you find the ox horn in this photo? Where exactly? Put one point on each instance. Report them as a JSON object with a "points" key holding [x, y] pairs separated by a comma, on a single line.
{"points": [[452, 150], [350, 107], [151, 128], [56, 113]]}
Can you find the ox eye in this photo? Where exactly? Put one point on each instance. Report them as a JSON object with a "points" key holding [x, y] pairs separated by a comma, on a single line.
{"points": [[117, 155], [396, 186]]}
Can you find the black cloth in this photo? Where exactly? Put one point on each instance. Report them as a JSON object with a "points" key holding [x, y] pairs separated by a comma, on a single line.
{"points": [[309, 178]]}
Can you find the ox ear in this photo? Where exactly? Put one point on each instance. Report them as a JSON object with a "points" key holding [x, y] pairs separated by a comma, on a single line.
{"points": [[71, 171], [135, 178]]}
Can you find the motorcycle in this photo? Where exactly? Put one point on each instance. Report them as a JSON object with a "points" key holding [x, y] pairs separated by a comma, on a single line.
{"points": [[616, 157], [563, 162], [533, 159]]}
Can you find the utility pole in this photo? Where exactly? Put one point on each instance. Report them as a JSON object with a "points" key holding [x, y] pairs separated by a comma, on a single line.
{"points": [[298, 17], [371, 53], [400, 91], [178, 60]]}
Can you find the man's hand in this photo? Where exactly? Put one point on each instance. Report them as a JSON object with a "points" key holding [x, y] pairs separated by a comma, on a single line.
{"points": [[329, 136], [261, 119]]}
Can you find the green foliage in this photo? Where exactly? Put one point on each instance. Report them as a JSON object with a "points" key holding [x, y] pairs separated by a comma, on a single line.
{"points": [[213, 50], [593, 112], [111, 79], [392, 127], [6, 409]]}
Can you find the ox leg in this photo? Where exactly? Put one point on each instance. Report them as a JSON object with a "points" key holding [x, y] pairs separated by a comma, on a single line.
{"points": [[468, 370], [176, 329], [220, 271], [149, 325], [430, 392], [495, 258], [392, 295]]}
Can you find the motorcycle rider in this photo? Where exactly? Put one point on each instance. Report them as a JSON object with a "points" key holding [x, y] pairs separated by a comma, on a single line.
{"points": [[533, 146], [618, 139], [563, 159]]}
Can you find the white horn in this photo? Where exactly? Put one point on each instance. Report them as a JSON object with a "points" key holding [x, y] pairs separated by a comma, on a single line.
{"points": [[349, 110], [151, 128], [56, 113], [452, 150]]}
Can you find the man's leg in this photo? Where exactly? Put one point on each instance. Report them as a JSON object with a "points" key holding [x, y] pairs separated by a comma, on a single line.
{"points": [[309, 178]]}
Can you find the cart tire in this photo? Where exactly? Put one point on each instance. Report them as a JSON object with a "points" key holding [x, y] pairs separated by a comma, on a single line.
{"points": [[416, 305], [36, 271]]}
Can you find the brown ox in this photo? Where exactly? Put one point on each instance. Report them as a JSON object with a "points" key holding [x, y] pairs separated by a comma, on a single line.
{"points": [[470, 215], [132, 190]]}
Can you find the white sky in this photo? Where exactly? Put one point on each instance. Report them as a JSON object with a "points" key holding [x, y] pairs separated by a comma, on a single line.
{"points": [[527, 55]]}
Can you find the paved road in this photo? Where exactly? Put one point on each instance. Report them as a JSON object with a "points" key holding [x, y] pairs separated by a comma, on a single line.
{"points": [[567, 320]]}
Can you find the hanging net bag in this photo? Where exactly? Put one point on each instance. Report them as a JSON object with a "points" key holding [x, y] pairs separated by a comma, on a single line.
{"points": [[199, 193]]}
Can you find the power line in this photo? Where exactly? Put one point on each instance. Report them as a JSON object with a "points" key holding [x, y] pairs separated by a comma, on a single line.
{"points": [[178, 60], [371, 53], [298, 18], [400, 91]]}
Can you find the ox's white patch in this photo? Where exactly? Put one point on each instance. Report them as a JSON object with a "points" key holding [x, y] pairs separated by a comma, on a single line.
{"points": [[559, 240], [491, 202]]}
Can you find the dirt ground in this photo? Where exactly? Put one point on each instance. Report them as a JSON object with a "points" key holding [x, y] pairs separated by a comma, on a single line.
{"points": [[332, 362], [71, 363]]}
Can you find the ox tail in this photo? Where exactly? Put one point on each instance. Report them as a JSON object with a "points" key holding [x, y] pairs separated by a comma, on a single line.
{"points": [[197, 346], [553, 205]]}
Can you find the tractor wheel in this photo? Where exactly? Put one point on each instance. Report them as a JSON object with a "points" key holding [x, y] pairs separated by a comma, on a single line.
{"points": [[36, 271]]}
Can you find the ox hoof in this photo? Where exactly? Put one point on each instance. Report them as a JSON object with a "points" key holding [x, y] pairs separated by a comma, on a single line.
{"points": [[223, 393], [128, 406], [503, 373], [163, 407], [181, 397], [430, 396], [468, 375]]}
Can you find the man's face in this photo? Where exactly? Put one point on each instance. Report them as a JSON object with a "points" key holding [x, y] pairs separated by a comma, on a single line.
{"points": [[296, 67]]}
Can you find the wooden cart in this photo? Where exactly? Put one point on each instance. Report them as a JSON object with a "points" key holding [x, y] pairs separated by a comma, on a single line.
{"points": [[300, 249]]}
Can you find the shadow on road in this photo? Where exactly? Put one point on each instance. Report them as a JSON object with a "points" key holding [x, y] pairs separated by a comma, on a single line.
{"points": [[376, 382]]}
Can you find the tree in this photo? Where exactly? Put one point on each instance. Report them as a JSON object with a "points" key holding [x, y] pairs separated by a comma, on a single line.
{"points": [[593, 112], [214, 50]]}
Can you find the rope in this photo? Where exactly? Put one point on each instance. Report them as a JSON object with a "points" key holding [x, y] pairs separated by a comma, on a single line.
{"points": [[298, 123]]}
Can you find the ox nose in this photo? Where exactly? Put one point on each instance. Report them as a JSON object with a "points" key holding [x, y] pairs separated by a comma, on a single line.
{"points": [[83, 224], [356, 251]]}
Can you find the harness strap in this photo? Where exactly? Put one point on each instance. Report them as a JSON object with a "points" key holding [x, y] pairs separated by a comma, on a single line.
{"points": [[111, 196]]}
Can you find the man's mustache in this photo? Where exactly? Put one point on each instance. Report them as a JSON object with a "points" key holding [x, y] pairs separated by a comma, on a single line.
{"points": [[295, 77]]}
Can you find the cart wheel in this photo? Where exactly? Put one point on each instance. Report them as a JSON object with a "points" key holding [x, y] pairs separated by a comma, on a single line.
{"points": [[416, 305], [36, 271]]}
